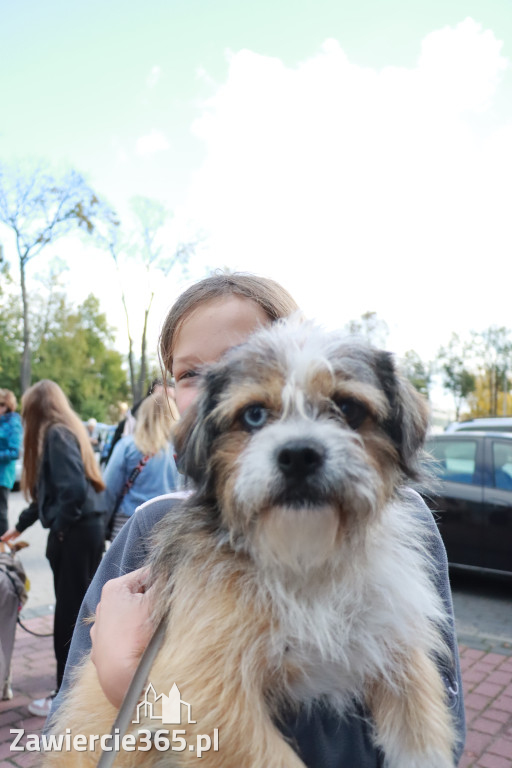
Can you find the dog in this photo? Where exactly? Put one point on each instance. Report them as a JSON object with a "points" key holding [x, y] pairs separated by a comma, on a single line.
{"points": [[13, 594], [297, 571]]}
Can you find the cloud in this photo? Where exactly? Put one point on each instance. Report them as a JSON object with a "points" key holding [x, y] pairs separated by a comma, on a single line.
{"points": [[152, 142], [365, 189], [461, 68], [153, 77]]}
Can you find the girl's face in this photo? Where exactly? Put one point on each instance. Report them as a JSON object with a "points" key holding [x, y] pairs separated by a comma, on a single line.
{"points": [[210, 330]]}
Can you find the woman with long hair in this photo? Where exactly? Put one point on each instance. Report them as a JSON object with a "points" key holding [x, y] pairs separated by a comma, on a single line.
{"points": [[142, 465], [63, 482], [10, 441]]}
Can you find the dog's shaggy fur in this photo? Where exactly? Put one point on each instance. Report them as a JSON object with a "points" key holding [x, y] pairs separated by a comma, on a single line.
{"points": [[297, 571]]}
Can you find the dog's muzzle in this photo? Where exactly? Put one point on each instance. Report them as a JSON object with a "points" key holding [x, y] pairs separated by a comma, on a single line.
{"points": [[300, 458], [300, 463]]}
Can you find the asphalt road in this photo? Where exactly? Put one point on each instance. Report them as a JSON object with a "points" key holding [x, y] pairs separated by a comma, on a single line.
{"points": [[482, 602], [483, 609]]}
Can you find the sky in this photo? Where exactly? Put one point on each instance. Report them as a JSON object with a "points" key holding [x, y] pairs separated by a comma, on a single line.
{"points": [[360, 153]]}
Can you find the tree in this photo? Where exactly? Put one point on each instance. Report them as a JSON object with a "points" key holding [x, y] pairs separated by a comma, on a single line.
{"points": [[478, 400], [458, 380], [71, 346], [11, 339], [74, 349], [417, 371], [110, 237], [145, 242], [40, 208], [494, 347], [371, 327]]}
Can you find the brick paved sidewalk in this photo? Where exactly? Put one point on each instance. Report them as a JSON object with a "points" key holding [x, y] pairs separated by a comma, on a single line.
{"points": [[33, 676], [487, 679]]}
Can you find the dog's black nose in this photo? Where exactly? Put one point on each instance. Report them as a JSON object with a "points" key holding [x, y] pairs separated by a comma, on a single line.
{"points": [[300, 458]]}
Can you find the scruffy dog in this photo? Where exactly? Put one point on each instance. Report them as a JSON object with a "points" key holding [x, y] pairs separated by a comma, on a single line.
{"points": [[297, 570]]}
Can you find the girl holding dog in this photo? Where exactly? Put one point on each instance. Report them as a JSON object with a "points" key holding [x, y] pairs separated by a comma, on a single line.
{"points": [[207, 320], [62, 478]]}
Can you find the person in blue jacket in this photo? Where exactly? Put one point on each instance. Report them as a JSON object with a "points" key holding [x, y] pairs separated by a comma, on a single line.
{"points": [[142, 465], [11, 434], [209, 318]]}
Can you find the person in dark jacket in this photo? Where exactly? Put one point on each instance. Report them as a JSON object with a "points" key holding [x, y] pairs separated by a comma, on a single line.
{"points": [[63, 481], [10, 442]]}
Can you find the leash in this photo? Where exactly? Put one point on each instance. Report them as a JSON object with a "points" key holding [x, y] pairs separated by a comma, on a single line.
{"points": [[133, 694], [7, 572], [36, 634]]}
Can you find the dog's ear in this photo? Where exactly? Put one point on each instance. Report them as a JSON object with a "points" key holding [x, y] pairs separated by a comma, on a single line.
{"points": [[409, 415], [195, 432]]}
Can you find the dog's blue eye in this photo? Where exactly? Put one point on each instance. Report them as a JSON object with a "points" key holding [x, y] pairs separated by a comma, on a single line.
{"points": [[353, 411], [254, 416]]}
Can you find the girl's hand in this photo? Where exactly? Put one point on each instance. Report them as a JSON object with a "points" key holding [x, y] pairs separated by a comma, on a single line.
{"points": [[121, 632]]}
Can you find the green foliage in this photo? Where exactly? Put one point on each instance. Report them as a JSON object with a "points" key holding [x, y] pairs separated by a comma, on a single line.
{"points": [[457, 379], [39, 208], [11, 337], [494, 347], [417, 371], [74, 350], [479, 399]]}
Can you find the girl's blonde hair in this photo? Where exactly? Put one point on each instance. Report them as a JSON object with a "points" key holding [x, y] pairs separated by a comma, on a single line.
{"points": [[45, 405], [155, 418], [275, 301], [9, 398]]}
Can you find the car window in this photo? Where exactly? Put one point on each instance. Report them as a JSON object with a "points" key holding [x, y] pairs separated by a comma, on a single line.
{"points": [[502, 464], [455, 459]]}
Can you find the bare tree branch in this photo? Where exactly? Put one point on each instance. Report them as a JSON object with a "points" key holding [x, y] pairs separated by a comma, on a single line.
{"points": [[40, 208]]}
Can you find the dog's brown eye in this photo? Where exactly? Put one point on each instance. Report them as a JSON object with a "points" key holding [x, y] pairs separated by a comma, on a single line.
{"points": [[254, 417], [353, 411]]}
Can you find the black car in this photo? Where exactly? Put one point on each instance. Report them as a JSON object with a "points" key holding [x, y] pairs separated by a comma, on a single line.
{"points": [[473, 501]]}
